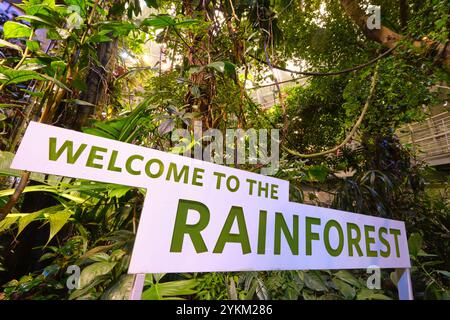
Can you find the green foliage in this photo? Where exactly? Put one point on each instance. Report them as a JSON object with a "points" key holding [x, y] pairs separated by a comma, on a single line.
{"points": [[13, 29], [212, 286], [167, 290]]}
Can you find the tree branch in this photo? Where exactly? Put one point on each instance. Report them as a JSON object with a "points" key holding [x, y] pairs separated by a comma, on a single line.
{"points": [[355, 127], [333, 73], [390, 38]]}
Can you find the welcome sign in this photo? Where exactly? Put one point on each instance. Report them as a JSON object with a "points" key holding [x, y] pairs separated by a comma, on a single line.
{"points": [[199, 216]]}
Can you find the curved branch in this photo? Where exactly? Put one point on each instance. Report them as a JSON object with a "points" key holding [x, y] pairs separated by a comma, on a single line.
{"points": [[334, 73], [16, 195], [390, 38], [355, 127]]}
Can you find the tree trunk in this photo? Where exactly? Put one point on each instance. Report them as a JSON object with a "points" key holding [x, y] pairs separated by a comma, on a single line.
{"points": [[98, 83], [390, 38], [403, 13]]}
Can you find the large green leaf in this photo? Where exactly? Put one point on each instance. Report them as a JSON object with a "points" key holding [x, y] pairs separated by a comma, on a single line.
{"points": [[7, 222], [170, 290], [27, 219], [368, 294], [164, 21], [347, 291], [57, 221], [93, 271], [121, 290], [346, 276], [415, 244], [218, 65], [37, 20], [11, 76], [314, 281], [33, 7], [12, 29], [44, 188]]}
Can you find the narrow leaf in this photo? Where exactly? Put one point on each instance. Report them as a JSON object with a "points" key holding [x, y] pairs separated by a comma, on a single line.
{"points": [[57, 221]]}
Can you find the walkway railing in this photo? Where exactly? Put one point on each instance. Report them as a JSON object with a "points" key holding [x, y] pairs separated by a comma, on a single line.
{"points": [[429, 139]]}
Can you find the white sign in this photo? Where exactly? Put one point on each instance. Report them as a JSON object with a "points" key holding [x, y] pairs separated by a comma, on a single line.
{"points": [[199, 216]]}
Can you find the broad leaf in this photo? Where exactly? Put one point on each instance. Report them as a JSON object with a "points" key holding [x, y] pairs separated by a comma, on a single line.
{"points": [[121, 290], [57, 221], [170, 290], [347, 291], [93, 271], [11, 76], [346, 276], [314, 281], [27, 219], [415, 244], [7, 222], [12, 29], [218, 65]]}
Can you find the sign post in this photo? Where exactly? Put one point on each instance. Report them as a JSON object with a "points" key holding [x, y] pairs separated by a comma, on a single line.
{"points": [[203, 217]]}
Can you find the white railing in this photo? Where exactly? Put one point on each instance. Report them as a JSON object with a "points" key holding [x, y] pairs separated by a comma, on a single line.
{"points": [[430, 139]]}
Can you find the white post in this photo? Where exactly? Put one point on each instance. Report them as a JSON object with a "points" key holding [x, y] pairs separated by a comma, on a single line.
{"points": [[138, 286], [404, 284]]}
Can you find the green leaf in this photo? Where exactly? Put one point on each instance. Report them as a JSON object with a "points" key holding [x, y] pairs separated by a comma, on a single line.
{"points": [[152, 3], [314, 281], [98, 38], [93, 271], [31, 66], [415, 244], [118, 191], [33, 45], [11, 76], [27, 219], [33, 7], [347, 277], [40, 20], [58, 66], [79, 102], [443, 272], [99, 257], [170, 290], [45, 188], [74, 20], [7, 222], [158, 22], [218, 65], [46, 256], [317, 173], [55, 81], [57, 221], [121, 289], [347, 291], [12, 29], [4, 43], [367, 294], [5, 164]]}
